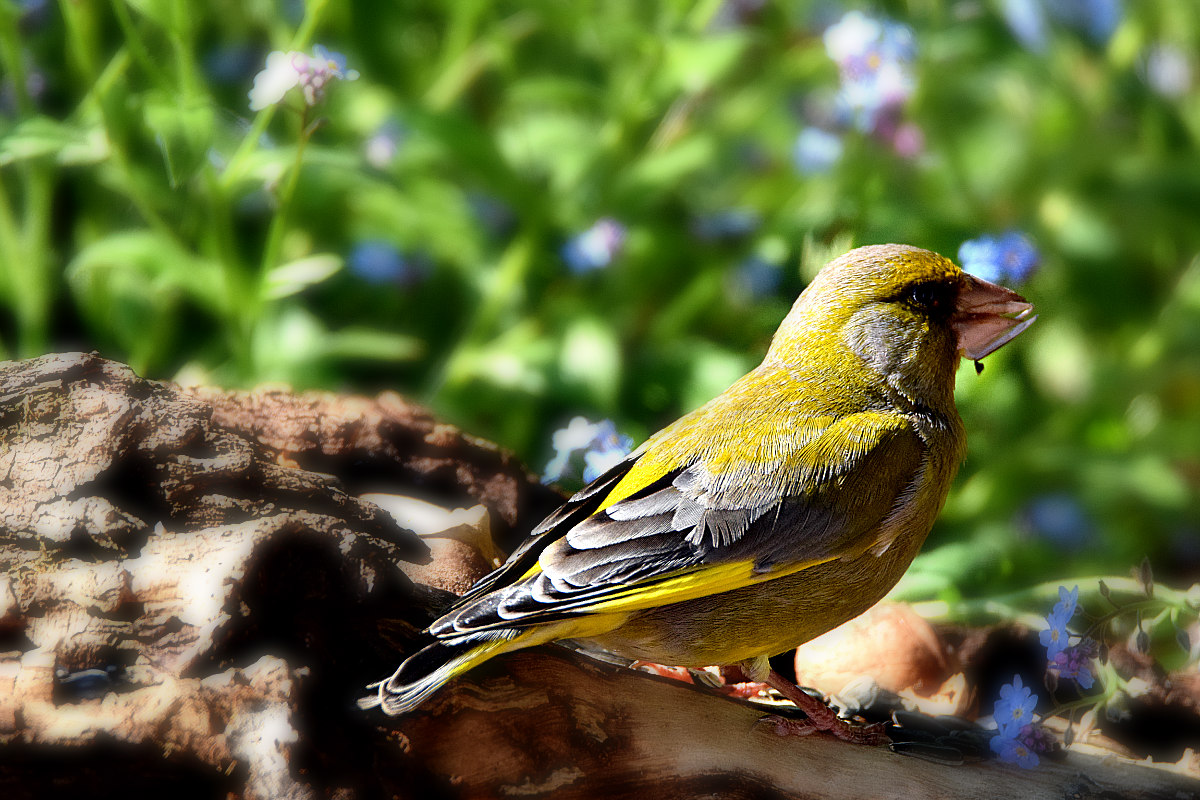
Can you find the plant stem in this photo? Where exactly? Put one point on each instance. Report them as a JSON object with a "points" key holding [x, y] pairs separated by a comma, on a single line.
{"points": [[240, 160]]}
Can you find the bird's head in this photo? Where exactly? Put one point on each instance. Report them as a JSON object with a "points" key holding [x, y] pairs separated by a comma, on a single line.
{"points": [[902, 314]]}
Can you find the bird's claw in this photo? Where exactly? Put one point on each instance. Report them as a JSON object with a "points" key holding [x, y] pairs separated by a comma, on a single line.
{"points": [[872, 735]]}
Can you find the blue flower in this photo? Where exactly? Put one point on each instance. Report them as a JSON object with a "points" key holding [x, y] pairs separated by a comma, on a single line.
{"points": [[1018, 739], [816, 151], [1097, 19], [1010, 256], [1014, 749], [1014, 709], [1055, 639], [596, 247], [379, 262], [1058, 518], [1027, 21], [596, 444], [1068, 602]]}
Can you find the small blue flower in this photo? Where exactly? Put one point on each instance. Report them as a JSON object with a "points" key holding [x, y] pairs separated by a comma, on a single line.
{"points": [[1010, 256], [1059, 519], [1014, 709], [596, 444], [1018, 739], [1013, 749], [1097, 19], [379, 262], [1055, 638], [596, 247], [1068, 602], [816, 151]]}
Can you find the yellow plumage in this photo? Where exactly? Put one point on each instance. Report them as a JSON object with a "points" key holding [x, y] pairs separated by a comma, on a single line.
{"points": [[780, 509]]}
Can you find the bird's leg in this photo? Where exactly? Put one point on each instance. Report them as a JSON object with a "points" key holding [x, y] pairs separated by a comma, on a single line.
{"points": [[821, 717]]}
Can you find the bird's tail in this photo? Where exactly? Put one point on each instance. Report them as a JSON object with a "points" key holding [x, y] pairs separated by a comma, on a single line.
{"points": [[428, 669]]}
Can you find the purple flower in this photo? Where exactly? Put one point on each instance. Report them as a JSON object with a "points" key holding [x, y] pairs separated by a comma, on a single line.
{"points": [[596, 444], [1010, 256], [379, 262], [816, 151], [874, 59], [596, 247], [311, 73], [1075, 662], [908, 140]]}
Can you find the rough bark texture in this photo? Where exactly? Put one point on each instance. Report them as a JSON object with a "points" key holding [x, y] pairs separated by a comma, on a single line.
{"points": [[191, 602]]}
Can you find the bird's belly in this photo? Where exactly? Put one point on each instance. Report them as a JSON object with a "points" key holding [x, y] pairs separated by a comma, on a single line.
{"points": [[763, 619]]}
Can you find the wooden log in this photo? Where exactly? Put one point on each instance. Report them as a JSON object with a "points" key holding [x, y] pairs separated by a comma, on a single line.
{"points": [[190, 603]]}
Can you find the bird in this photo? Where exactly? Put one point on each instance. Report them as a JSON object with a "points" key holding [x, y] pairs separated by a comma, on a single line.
{"points": [[783, 507]]}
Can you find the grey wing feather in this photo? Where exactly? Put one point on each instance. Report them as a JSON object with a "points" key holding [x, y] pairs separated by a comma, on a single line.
{"points": [[685, 521]]}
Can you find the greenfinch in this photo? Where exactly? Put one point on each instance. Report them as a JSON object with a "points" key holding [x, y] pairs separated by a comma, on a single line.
{"points": [[780, 509]]}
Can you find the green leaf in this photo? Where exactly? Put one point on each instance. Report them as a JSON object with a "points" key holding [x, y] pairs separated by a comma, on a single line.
{"points": [[128, 286], [184, 134], [591, 360], [38, 137], [370, 344], [695, 64], [150, 264], [295, 276], [159, 11]]}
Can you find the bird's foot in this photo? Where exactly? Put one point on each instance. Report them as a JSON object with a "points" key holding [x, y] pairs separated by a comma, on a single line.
{"points": [[840, 729], [820, 717]]}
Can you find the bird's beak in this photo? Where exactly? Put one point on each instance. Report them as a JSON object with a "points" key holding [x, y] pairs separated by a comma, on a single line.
{"points": [[987, 317]]}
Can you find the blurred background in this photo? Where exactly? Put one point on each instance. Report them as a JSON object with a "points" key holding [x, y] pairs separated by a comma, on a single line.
{"points": [[521, 213]]}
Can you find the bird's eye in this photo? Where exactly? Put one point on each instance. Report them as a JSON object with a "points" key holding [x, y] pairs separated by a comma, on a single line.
{"points": [[933, 298]]}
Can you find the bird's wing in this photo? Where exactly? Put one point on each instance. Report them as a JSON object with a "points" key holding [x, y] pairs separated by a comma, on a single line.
{"points": [[579, 507], [691, 532]]}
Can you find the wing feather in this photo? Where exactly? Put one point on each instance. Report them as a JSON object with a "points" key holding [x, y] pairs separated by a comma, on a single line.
{"points": [[693, 532]]}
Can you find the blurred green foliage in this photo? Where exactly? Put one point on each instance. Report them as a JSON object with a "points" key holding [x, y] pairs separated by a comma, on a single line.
{"points": [[147, 213]]}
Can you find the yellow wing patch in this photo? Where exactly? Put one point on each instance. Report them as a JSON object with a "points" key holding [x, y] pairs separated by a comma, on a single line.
{"points": [[701, 582]]}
